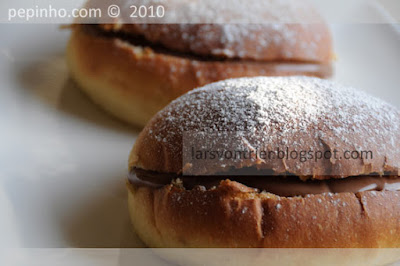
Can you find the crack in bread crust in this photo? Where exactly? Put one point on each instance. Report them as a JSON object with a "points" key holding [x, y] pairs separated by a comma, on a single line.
{"points": [[199, 218]]}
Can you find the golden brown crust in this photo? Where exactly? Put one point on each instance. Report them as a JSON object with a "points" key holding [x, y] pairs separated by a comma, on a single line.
{"points": [[305, 114], [260, 30], [134, 83], [309, 42], [233, 215]]}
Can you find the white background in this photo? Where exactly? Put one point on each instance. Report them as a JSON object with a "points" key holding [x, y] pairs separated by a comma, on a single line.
{"points": [[63, 161]]}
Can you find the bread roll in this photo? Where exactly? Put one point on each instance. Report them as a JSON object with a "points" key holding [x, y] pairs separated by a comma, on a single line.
{"points": [[302, 113], [134, 70]]}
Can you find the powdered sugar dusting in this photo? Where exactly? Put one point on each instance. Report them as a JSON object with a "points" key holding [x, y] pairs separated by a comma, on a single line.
{"points": [[295, 103], [224, 11], [300, 112], [236, 28]]}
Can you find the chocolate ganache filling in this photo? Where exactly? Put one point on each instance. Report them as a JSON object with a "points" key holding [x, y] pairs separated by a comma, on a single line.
{"points": [[287, 186], [320, 69]]}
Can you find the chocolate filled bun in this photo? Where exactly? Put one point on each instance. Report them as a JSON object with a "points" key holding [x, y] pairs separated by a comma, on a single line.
{"points": [[179, 200], [134, 70]]}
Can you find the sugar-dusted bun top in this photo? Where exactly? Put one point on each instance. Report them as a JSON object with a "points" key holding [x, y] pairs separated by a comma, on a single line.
{"points": [[299, 113], [264, 30]]}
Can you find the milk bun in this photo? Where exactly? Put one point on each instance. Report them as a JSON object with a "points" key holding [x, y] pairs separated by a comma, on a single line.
{"points": [[279, 202], [134, 70]]}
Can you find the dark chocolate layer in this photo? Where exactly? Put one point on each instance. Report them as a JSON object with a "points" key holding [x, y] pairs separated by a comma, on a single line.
{"points": [[283, 66], [287, 186]]}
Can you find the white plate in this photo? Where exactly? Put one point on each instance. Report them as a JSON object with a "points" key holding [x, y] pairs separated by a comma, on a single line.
{"points": [[63, 161]]}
